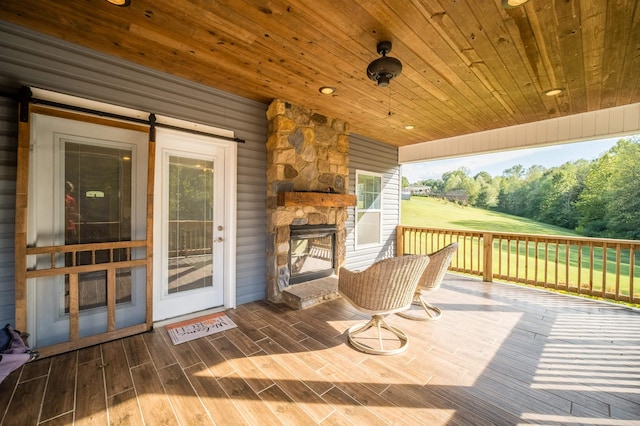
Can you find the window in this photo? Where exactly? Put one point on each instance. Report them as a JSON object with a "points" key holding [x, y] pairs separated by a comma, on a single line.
{"points": [[368, 209]]}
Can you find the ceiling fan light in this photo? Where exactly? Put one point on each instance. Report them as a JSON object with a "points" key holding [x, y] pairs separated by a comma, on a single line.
{"points": [[510, 4], [383, 80]]}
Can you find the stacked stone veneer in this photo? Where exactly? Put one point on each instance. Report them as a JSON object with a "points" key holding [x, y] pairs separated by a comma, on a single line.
{"points": [[306, 151]]}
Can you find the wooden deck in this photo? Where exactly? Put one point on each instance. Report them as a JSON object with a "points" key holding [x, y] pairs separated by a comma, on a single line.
{"points": [[500, 354]]}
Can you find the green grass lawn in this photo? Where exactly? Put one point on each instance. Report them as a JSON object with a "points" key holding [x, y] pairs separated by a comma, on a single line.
{"points": [[434, 213]]}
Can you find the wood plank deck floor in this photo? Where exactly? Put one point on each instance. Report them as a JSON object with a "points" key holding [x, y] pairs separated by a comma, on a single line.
{"points": [[501, 354]]}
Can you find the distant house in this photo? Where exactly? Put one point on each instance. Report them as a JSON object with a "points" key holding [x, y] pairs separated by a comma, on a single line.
{"points": [[419, 190]]}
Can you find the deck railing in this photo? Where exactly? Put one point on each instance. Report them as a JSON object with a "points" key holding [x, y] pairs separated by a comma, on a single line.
{"points": [[190, 237], [599, 267]]}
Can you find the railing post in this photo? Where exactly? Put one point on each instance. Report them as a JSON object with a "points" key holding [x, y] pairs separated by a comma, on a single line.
{"points": [[399, 241], [487, 269]]}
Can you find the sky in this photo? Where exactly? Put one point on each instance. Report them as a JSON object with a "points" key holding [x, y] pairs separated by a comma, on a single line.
{"points": [[496, 163]]}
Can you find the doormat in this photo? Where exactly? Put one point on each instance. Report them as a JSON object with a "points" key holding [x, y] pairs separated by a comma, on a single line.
{"points": [[195, 328]]}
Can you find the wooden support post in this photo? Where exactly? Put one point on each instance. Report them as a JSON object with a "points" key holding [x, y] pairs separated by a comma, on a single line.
{"points": [[399, 241], [487, 270], [149, 235], [20, 241]]}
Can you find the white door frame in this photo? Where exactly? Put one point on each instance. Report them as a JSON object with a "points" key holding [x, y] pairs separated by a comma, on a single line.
{"points": [[228, 150]]}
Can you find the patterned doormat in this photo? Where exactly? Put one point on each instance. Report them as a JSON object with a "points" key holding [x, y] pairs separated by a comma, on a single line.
{"points": [[195, 328]]}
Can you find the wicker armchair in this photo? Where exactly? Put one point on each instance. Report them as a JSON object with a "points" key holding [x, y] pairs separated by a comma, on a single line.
{"points": [[431, 279], [384, 288]]}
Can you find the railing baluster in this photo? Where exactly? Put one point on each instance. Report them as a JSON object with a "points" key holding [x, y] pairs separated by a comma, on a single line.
{"points": [[518, 278], [456, 259], [499, 256], [526, 260], [579, 267], [604, 269], [479, 263], [536, 260], [469, 239], [508, 257], [632, 260], [467, 261], [617, 294], [546, 263], [464, 253], [567, 251], [591, 266], [557, 265]]}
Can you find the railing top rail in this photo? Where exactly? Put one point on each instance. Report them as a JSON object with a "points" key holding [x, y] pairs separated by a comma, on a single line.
{"points": [[563, 238]]}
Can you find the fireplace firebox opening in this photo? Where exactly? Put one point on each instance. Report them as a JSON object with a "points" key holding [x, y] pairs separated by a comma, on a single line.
{"points": [[312, 252]]}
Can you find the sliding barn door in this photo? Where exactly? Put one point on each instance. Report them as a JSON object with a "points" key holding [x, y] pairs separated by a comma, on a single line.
{"points": [[87, 198]]}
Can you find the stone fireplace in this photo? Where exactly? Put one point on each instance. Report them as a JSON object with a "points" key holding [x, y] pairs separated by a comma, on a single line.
{"points": [[307, 181]]}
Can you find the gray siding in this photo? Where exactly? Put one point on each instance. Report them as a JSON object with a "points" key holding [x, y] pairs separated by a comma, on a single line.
{"points": [[372, 156], [8, 135], [32, 59]]}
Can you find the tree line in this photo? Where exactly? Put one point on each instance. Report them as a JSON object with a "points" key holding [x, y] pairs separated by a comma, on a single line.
{"points": [[595, 198]]}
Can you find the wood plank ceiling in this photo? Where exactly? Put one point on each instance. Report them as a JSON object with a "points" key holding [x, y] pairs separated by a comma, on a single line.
{"points": [[468, 66]]}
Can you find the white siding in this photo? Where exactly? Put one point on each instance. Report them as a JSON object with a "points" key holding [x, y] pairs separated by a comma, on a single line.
{"points": [[372, 156], [602, 124]]}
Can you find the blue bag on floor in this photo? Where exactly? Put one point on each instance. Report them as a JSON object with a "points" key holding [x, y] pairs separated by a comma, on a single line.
{"points": [[13, 351]]}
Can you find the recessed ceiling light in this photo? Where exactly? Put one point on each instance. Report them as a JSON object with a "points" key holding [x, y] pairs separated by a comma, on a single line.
{"points": [[553, 92], [510, 4], [326, 90], [409, 127], [122, 3]]}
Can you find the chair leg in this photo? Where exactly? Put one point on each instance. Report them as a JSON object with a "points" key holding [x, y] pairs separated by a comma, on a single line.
{"points": [[379, 323], [428, 312]]}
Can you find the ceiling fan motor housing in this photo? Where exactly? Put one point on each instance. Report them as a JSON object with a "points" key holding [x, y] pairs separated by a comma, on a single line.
{"points": [[384, 69]]}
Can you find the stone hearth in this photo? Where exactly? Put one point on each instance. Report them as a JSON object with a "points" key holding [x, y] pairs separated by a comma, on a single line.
{"points": [[301, 296], [307, 153]]}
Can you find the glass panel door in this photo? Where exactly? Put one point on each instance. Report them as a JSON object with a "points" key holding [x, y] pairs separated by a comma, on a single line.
{"points": [[189, 219]]}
